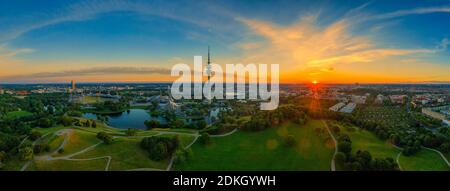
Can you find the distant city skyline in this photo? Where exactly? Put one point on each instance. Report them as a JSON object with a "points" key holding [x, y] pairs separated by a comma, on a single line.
{"points": [[139, 41]]}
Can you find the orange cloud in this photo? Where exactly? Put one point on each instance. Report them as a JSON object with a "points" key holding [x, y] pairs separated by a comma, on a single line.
{"points": [[306, 51]]}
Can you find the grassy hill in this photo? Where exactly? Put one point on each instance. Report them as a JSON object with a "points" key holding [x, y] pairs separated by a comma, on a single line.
{"points": [[365, 140], [424, 160], [265, 150]]}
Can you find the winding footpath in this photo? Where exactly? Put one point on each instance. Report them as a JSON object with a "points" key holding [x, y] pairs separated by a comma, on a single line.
{"points": [[67, 132], [333, 164], [397, 159]]}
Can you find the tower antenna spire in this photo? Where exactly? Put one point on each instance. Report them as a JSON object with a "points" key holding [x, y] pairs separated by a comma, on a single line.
{"points": [[209, 58], [208, 67]]}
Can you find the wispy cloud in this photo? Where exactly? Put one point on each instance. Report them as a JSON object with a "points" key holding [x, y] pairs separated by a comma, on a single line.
{"points": [[442, 46], [7, 54], [417, 11], [94, 71], [85, 10]]}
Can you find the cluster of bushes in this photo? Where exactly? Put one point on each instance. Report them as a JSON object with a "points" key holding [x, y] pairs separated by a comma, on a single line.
{"points": [[131, 132], [266, 119], [111, 106], [86, 123], [160, 148], [204, 139], [290, 141], [227, 122], [362, 160], [105, 137], [38, 148]]}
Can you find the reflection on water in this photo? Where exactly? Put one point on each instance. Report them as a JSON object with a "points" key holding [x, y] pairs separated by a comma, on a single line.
{"points": [[134, 118]]}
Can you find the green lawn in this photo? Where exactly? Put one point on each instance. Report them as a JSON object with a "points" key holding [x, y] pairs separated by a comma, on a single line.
{"points": [[265, 150], [54, 141], [14, 164], [126, 154], [17, 114], [78, 140], [50, 130], [365, 140], [68, 165], [424, 160]]}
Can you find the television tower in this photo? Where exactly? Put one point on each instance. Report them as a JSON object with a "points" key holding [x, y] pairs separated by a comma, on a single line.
{"points": [[208, 67]]}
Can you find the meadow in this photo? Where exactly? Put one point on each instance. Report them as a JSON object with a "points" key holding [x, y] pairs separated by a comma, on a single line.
{"points": [[265, 150], [424, 160]]}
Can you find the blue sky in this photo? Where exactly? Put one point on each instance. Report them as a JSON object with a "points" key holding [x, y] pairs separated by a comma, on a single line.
{"points": [[43, 41]]}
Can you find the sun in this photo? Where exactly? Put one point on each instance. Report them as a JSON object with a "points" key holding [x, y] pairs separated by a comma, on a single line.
{"points": [[314, 82]]}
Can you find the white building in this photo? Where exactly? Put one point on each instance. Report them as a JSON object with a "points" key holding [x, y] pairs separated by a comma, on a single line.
{"points": [[337, 106], [348, 108]]}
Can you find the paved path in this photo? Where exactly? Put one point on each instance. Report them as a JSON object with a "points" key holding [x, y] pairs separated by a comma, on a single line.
{"points": [[172, 159], [226, 134], [443, 157], [397, 160], [333, 164], [67, 132], [401, 149], [95, 158]]}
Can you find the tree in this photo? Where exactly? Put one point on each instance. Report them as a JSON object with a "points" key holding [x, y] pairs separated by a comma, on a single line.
{"points": [[182, 155], [344, 138], [131, 132], [105, 137], [177, 124], [364, 158], [340, 158], [290, 140], [45, 122], [2, 156], [445, 147], [201, 124], [205, 139], [66, 120], [345, 147], [35, 135], [2, 159], [87, 123], [38, 148], [152, 123], [160, 148], [26, 153]]}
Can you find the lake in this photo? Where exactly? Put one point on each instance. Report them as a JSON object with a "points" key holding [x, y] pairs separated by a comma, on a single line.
{"points": [[133, 119]]}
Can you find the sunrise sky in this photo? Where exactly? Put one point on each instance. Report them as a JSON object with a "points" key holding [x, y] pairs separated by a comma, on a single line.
{"points": [[139, 41]]}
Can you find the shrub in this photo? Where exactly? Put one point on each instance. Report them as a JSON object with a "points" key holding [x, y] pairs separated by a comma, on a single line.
{"points": [[345, 147], [290, 140], [105, 137], [205, 139], [131, 132], [26, 153], [152, 123], [160, 148], [35, 135], [340, 158]]}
